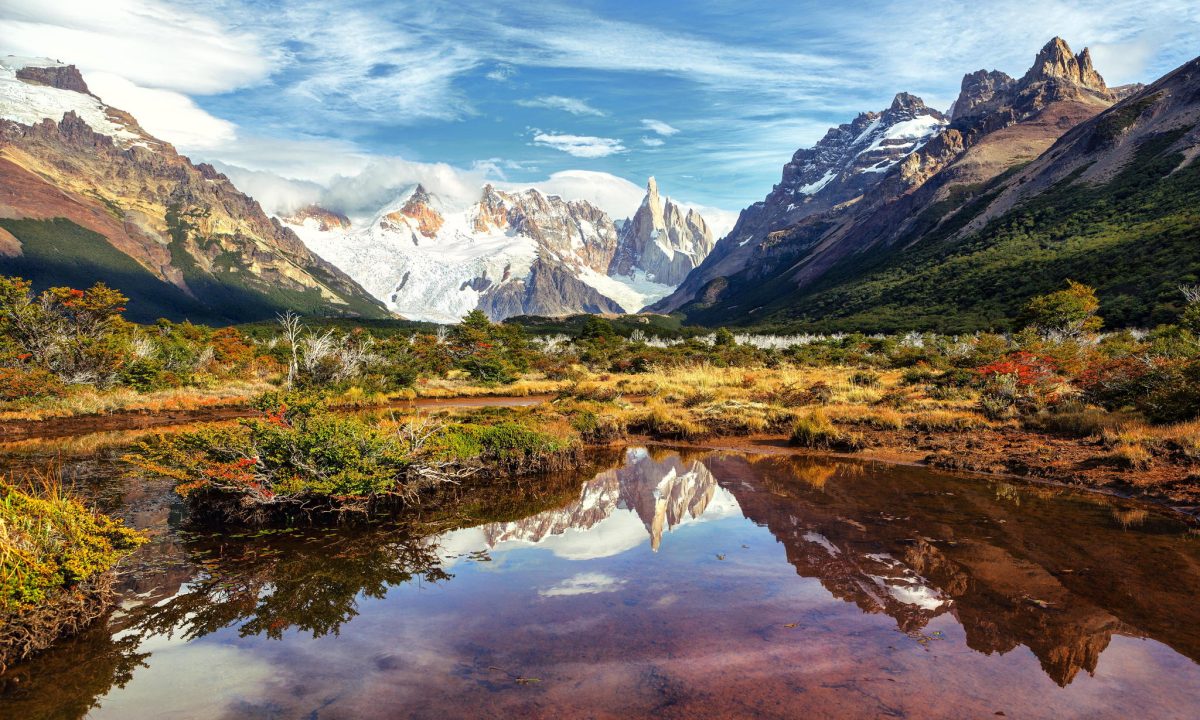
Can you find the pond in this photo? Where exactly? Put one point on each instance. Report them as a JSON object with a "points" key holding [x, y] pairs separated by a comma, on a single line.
{"points": [[662, 583]]}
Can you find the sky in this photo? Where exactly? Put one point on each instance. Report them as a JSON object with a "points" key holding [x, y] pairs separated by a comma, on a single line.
{"points": [[351, 102]]}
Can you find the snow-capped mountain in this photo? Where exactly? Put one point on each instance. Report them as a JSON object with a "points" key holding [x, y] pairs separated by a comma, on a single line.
{"points": [[853, 156], [870, 181], [510, 253]]}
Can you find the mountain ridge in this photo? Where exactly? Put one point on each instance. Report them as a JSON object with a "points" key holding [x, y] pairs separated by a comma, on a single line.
{"points": [[964, 248], [199, 248], [518, 252]]}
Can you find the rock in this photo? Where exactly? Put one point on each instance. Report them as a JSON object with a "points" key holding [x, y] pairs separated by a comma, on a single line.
{"points": [[661, 240], [63, 77]]}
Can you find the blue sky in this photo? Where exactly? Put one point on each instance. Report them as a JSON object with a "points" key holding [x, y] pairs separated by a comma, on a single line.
{"points": [[351, 101]]}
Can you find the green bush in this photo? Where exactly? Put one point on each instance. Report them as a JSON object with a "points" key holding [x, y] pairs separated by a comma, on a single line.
{"points": [[50, 542]]}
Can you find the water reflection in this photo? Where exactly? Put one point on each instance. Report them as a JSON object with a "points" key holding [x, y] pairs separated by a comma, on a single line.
{"points": [[695, 584], [619, 509], [311, 583]]}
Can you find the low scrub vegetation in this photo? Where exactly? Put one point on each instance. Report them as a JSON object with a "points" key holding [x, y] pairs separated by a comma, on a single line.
{"points": [[300, 459], [65, 351], [56, 558]]}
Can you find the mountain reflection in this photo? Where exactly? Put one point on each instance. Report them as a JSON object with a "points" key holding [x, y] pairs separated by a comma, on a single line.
{"points": [[1014, 565], [1058, 575], [662, 492]]}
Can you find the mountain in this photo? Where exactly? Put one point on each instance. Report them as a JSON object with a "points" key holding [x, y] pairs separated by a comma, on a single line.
{"points": [[87, 194], [849, 160], [661, 242], [510, 253], [1032, 180]]}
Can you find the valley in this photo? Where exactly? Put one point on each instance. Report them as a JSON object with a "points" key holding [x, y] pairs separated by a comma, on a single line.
{"points": [[335, 412]]}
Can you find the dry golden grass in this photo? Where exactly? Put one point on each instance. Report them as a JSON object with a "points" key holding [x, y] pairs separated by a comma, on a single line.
{"points": [[944, 420], [461, 387], [90, 401]]}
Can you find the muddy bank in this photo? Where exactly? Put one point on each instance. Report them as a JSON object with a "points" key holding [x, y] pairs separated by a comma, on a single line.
{"points": [[14, 430]]}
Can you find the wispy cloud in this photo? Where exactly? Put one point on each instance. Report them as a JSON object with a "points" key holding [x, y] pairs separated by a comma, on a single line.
{"points": [[583, 584], [583, 146], [575, 106], [502, 72], [424, 80], [658, 126]]}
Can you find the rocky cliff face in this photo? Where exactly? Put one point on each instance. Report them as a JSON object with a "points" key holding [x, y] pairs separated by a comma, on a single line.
{"points": [[662, 241], [189, 237], [850, 160], [325, 220], [512, 253], [996, 123]]}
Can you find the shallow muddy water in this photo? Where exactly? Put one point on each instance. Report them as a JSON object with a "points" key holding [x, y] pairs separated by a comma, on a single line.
{"points": [[702, 584]]}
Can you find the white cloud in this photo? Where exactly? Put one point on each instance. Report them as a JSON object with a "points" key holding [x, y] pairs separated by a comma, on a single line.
{"points": [[277, 195], [575, 106], [614, 195], [719, 221], [503, 72], [652, 142], [584, 146], [658, 126], [147, 42], [311, 159], [583, 584], [355, 65], [166, 114]]}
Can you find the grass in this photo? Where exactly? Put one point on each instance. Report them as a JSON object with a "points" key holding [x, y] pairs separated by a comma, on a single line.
{"points": [[815, 430], [87, 400]]}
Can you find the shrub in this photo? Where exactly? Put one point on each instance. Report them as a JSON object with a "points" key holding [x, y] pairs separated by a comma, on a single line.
{"points": [[21, 383], [660, 420], [297, 453], [864, 378], [730, 417], [594, 427], [506, 446], [1075, 421], [1070, 312], [1132, 456], [53, 554]]}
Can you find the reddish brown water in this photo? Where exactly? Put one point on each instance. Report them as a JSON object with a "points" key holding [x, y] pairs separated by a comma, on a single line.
{"points": [[704, 585]]}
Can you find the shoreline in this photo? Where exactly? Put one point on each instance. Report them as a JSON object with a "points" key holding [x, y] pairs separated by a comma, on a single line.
{"points": [[776, 445], [1026, 456]]}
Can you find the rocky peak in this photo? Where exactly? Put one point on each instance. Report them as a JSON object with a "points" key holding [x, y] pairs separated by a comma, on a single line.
{"points": [[978, 88], [1056, 62], [63, 77], [662, 240], [907, 102], [419, 207], [491, 211], [324, 219], [991, 100]]}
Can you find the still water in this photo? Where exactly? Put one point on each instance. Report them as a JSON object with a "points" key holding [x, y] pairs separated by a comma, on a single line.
{"points": [[663, 584]]}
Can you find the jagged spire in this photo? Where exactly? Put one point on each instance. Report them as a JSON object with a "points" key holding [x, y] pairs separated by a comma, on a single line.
{"points": [[1056, 61]]}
